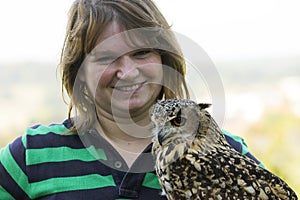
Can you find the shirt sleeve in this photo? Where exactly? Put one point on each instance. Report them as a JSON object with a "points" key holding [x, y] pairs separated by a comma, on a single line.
{"points": [[240, 145], [13, 179]]}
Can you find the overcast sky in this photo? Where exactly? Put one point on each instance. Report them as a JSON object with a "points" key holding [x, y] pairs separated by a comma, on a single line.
{"points": [[232, 29]]}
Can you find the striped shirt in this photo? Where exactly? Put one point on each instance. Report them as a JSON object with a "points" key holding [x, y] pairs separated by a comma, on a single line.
{"points": [[48, 162]]}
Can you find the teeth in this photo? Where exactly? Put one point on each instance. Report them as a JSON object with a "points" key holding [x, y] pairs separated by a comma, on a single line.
{"points": [[128, 88]]}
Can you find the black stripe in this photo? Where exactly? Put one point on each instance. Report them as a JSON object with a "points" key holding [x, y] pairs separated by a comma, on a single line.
{"points": [[150, 194], [67, 124], [53, 140], [17, 150], [249, 155], [91, 194], [73, 168], [236, 145], [10, 185], [107, 193]]}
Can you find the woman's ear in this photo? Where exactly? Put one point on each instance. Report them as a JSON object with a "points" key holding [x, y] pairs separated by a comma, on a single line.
{"points": [[81, 75]]}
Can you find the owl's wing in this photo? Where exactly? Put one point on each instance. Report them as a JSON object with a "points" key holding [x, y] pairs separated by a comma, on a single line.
{"points": [[256, 180], [225, 173]]}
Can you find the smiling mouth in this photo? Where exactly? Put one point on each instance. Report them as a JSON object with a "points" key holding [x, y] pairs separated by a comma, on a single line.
{"points": [[129, 88]]}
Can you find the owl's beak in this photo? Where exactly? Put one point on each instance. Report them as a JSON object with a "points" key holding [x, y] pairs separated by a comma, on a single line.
{"points": [[160, 137]]}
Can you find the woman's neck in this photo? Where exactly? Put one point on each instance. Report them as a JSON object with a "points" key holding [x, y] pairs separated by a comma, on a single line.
{"points": [[128, 136]]}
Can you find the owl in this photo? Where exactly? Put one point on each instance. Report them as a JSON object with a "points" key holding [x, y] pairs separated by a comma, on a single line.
{"points": [[194, 161]]}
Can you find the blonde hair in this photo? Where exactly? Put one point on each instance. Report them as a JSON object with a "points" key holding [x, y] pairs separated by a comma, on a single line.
{"points": [[87, 20]]}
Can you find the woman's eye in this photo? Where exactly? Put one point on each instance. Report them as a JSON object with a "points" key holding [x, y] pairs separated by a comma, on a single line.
{"points": [[105, 60], [178, 121], [142, 53]]}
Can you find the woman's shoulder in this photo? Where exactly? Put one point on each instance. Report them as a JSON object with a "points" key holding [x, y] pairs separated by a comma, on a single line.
{"points": [[40, 143], [42, 136], [47, 136], [54, 128], [239, 144]]}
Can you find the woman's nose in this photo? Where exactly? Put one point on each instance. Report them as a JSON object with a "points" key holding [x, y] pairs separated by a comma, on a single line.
{"points": [[127, 68]]}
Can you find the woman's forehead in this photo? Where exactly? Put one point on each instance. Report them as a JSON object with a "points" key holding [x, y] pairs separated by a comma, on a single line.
{"points": [[111, 29], [116, 39]]}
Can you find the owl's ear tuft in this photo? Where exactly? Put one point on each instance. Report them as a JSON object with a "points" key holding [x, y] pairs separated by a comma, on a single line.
{"points": [[204, 105]]}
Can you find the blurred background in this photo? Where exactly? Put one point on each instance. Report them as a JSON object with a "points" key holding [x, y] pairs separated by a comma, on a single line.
{"points": [[254, 45]]}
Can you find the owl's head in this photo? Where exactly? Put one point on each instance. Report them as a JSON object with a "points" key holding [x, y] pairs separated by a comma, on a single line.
{"points": [[175, 120]]}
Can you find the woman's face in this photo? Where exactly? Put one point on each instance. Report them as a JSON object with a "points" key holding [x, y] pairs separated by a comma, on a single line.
{"points": [[122, 78]]}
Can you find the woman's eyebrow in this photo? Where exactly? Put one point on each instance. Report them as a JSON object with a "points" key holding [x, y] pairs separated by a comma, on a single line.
{"points": [[105, 53]]}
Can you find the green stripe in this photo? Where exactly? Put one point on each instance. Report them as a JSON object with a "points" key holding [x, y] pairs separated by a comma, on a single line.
{"points": [[13, 169], [41, 130], [122, 199], [151, 181], [262, 165], [5, 195], [99, 154], [59, 154], [24, 140], [56, 185]]}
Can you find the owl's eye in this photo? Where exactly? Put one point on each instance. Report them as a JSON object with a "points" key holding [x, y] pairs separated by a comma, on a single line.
{"points": [[178, 121]]}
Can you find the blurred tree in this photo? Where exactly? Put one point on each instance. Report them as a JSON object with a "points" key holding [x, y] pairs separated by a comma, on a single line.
{"points": [[275, 140]]}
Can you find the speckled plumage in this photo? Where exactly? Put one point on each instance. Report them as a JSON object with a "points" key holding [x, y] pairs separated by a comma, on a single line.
{"points": [[194, 161]]}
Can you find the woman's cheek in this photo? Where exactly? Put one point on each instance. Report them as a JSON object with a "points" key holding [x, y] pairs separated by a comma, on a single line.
{"points": [[96, 78], [105, 78]]}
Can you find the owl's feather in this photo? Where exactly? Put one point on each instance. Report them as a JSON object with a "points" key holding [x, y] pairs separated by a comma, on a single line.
{"points": [[194, 161]]}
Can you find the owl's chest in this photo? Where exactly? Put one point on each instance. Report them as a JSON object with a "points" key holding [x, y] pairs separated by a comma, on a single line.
{"points": [[192, 176]]}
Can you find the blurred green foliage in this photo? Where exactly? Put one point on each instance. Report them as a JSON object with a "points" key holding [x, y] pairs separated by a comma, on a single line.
{"points": [[275, 140]]}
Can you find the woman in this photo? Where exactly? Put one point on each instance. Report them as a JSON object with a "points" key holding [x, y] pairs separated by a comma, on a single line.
{"points": [[119, 57]]}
